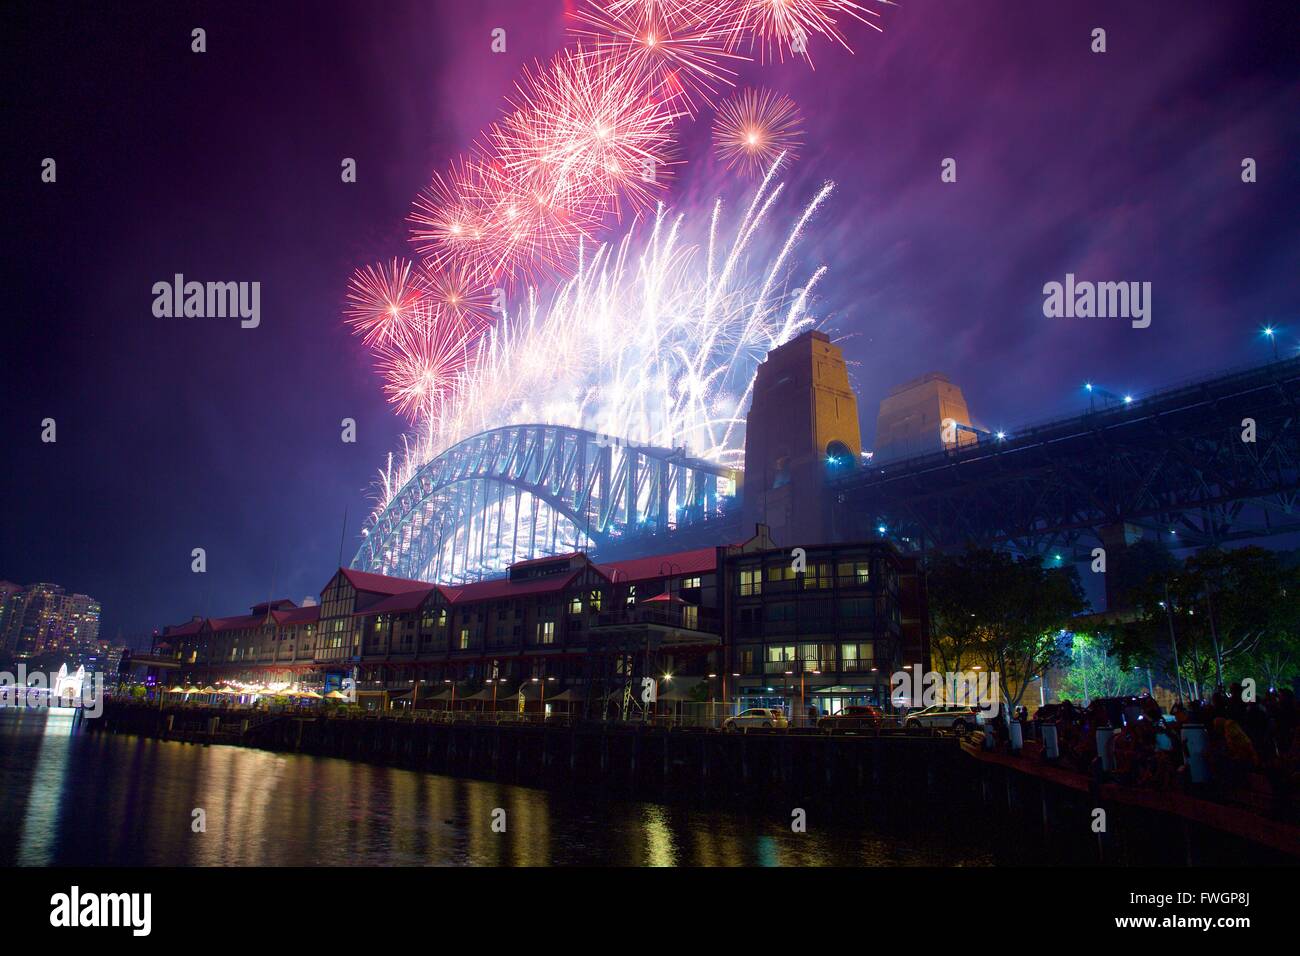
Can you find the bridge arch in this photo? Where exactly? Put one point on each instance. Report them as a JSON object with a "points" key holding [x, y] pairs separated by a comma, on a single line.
{"points": [[525, 491]]}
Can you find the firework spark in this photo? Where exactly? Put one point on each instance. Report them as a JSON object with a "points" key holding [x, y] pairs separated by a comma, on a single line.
{"points": [[753, 128]]}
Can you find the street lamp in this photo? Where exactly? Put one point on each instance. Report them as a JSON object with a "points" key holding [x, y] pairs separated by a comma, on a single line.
{"points": [[1271, 334]]}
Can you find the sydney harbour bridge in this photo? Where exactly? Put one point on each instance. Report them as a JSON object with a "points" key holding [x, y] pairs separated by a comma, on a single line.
{"points": [[1203, 462]]}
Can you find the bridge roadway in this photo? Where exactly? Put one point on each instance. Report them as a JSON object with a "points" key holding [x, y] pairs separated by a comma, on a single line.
{"points": [[1179, 463]]}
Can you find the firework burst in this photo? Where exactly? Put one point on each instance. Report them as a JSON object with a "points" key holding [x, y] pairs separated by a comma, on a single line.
{"points": [[680, 56], [753, 128], [449, 217], [381, 300], [421, 363], [459, 298], [780, 28], [587, 132]]}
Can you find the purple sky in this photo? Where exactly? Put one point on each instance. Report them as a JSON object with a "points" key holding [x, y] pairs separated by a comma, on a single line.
{"points": [[183, 433]]}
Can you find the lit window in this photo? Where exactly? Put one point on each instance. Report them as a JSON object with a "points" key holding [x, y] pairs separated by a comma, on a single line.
{"points": [[594, 599], [631, 595]]}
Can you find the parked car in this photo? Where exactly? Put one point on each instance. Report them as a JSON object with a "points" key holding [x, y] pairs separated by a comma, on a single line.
{"points": [[763, 718], [955, 717], [853, 717]]}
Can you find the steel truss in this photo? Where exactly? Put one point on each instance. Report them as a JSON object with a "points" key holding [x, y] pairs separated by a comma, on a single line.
{"points": [[527, 491], [1175, 464]]}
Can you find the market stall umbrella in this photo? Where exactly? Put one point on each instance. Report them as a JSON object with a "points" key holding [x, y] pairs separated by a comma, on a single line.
{"points": [[336, 695], [308, 694], [178, 689], [208, 690]]}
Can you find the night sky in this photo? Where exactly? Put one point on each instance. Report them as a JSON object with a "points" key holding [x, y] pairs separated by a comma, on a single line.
{"points": [[183, 433]]}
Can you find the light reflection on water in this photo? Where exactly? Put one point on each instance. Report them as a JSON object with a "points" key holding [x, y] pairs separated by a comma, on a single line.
{"points": [[86, 799]]}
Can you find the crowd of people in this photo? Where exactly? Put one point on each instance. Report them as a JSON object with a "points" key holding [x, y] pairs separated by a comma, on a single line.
{"points": [[1150, 749]]}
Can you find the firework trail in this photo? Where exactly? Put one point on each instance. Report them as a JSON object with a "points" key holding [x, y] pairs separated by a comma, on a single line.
{"points": [[753, 128]]}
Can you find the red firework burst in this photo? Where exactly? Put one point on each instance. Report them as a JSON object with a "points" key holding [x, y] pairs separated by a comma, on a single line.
{"points": [[448, 217], [420, 365], [780, 27], [585, 131], [382, 299], [753, 128], [678, 54], [460, 298]]}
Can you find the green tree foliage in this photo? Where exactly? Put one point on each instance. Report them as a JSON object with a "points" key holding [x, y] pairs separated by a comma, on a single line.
{"points": [[1091, 670], [1002, 613]]}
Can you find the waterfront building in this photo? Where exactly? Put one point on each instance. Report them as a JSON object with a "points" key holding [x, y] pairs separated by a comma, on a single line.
{"points": [[739, 623]]}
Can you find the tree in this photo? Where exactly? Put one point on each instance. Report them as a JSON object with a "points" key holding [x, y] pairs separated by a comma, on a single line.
{"points": [[1005, 613], [1216, 612], [1092, 671]]}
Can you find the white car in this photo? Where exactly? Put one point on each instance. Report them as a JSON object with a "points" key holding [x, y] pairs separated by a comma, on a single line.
{"points": [[762, 718], [956, 718]]}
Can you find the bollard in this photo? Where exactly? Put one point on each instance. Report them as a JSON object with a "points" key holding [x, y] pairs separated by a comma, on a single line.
{"points": [[1017, 733], [1105, 747], [1198, 767], [1051, 742]]}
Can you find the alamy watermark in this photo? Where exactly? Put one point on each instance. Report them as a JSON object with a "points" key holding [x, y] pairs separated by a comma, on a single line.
{"points": [[1102, 300], [209, 300], [39, 690], [977, 689]]}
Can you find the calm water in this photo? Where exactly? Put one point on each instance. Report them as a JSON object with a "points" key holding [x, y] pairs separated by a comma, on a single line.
{"points": [[84, 799]]}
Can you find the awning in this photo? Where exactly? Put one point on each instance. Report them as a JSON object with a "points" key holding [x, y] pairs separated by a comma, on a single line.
{"points": [[664, 598]]}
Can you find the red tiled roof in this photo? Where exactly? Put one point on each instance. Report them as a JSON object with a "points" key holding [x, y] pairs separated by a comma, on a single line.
{"points": [[297, 615], [236, 623], [277, 605], [380, 583], [405, 601], [505, 588], [699, 561], [180, 630], [553, 557]]}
